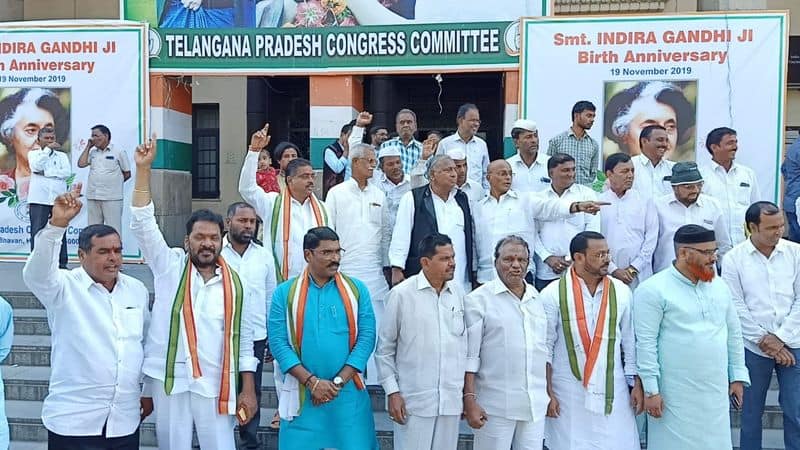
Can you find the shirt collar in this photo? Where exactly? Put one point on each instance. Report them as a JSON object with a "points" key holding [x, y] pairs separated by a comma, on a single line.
{"points": [[227, 243], [498, 287], [86, 281], [423, 283], [488, 197], [459, 138], [780, 247], [716, 166], [681, 277]]}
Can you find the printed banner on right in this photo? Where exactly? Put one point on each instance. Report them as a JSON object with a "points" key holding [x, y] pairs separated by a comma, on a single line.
{"points": [[688, 73]]}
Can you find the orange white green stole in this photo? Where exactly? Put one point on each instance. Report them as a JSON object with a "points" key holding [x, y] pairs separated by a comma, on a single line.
{"points": [[295, 317], [281, 214], [592, 355], [182, 328]]}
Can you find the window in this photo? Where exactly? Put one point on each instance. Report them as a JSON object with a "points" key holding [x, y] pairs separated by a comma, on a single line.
{"points": [[205, 151]]}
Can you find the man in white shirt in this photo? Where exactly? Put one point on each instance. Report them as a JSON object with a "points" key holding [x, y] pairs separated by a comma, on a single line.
{"points": [[732, 184], [199, 348], [296, 208], [50, 169], [109, 169], [591, 405], [652, 170], [629, 223], [529, 165], [763, 274], [473, 189], [505, 212], [686, 205], [474, 148], [99, 319], [438, 207], [553, 235], [254, 264], [505, 387], [422, 351], [356, 215], [394, 183]]}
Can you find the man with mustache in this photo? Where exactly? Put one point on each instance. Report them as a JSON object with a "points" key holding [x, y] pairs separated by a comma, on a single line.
{"points": [[505, 387], [473, 189], [652, 170], [763, 274], [422, 351], [410, 148], [199, 346], [287, 215], [734, 185], [689, 352], [473, 147], [529, 164], [255, 266], [629, 223], [594, 391], [686, 204], [394, 183], [322, 331], [99, 319]]}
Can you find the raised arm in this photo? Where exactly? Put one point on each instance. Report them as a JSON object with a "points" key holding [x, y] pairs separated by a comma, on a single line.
{"points": [[143, 221], [41, 273], [248, 188]]}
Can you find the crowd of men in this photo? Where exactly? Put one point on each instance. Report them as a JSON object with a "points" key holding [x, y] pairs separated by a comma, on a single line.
{"points": [[509, 293]]}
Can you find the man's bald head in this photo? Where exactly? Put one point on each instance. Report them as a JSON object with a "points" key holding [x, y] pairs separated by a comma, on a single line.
{"points": [[499, 175]]}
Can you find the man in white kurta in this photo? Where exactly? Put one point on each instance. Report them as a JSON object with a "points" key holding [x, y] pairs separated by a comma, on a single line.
{"points": [[528, 164], [505, 388], [473, 147], [591, 407], [686, 205], [472, 188], [504, 212], [422, 352], [391, 180], [305, 210], [734, 185], [652, 170], [190, 375], [356, 214], [553, 236], [629, 223]]}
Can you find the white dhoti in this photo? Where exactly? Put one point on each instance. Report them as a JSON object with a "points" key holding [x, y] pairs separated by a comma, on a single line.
{"points": [[177, 413], [504, 434], [372, 276], [427, 433]]}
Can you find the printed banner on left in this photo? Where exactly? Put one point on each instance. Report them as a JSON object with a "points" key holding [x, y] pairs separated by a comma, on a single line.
{"points": [[87, 83]]}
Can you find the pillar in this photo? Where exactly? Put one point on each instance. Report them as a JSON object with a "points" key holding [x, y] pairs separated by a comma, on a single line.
{"points": [[171, 183], [511, 113], [334, 101]]}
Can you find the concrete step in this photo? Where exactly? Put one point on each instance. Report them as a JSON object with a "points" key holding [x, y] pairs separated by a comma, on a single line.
{"points": [[771, 440], [30, 445], [31, 322], [26, 426], [30, 350], [22, 300]]}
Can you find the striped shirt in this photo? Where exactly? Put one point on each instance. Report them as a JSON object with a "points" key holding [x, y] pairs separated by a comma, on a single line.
{"points": [[409, 154], [585, 150]]}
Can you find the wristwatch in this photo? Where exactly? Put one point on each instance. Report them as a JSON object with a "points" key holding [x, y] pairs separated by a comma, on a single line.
{"points": [[338, 382]]}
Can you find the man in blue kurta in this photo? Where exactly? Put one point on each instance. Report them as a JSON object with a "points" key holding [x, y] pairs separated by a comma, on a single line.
{"points": [[322, 331], [689, 350]]}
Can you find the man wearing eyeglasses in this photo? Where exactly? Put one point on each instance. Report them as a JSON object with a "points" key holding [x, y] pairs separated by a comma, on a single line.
{"points": [[355, 212], [594, 391], [689, 352], [686, 205]]}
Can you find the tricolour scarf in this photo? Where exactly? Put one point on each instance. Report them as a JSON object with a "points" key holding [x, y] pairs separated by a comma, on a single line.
{"points": [[295, 317], [281, 213], [182, 319], [594, 354]]}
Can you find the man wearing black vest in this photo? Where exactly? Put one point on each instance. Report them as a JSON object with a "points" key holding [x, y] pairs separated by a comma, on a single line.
{"points": [[438, 207]]}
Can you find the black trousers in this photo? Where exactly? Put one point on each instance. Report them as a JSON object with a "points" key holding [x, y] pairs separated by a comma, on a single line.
{"points": [[39, 215], [541, 284], [59, 442], [249, 432]]}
